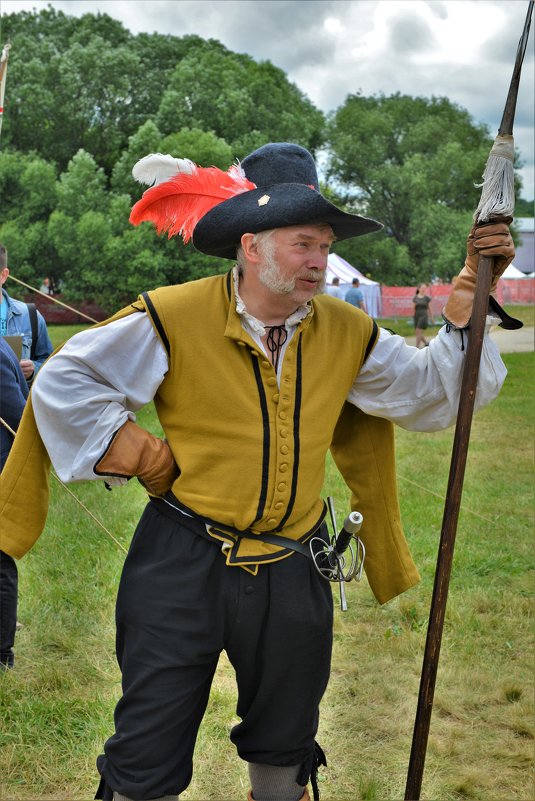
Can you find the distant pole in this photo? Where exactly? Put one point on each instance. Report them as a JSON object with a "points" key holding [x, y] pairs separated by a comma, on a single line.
{"points": [[3, 74]]}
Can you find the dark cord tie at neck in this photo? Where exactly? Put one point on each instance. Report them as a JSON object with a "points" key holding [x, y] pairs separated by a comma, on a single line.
{"points": [[277, 336]]}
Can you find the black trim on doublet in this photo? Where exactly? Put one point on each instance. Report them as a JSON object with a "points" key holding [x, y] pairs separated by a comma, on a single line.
{"points": [[266, 440], [296, 421], [371, 341], [157, 322]]}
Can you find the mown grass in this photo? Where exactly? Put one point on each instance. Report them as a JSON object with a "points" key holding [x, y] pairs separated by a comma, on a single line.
{"points": [[57, 705]]}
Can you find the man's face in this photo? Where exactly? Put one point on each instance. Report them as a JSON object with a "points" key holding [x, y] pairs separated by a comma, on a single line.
{"points": [[294, 261], [4, 272]]}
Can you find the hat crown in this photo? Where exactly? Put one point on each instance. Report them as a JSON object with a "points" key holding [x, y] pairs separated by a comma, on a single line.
{"points": [[281, 163]]}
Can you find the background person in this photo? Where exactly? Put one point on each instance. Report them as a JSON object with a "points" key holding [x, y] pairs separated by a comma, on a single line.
{"points": [[334, 289], [46, 287], [15, 318], [354, 295], [422, 303], [13, 394]]}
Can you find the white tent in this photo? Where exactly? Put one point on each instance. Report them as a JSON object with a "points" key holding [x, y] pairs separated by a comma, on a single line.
{"points": [[371, 290], [514, 272]]}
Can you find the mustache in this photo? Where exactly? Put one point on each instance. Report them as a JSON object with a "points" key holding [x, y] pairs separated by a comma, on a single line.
{"points": [[313, 275]]}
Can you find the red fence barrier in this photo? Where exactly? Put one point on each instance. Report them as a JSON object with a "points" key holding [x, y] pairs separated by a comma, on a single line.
{"points": [[56, 314], [397, 300], [520, 291]]}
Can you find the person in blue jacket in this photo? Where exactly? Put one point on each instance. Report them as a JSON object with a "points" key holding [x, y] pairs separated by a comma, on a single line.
{"points": [[13, 394], [15, 319]]}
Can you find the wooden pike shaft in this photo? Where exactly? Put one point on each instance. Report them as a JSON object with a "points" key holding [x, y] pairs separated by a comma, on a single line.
{"points": [[456, 476], [449, 530]]}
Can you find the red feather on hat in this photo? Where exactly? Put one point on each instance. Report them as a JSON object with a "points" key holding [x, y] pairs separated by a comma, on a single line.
{"points": [[177, 205]]}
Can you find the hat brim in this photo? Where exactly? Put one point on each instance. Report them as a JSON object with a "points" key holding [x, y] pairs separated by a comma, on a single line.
{"points": [[219, 232]]}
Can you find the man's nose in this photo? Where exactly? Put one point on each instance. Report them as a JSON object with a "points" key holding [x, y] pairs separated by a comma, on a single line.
{"points": [[318, 260]]}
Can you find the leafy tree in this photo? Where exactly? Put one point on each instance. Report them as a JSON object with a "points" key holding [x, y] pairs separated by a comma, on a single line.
{"points": [[95, 90], [202, 147], [12, 166], [31, 256], [38, 183], [377, 256], [410, 162], [158, 56], [145, 140], [524, 208], [82, 187], [69, 87], [241, 101], [28, 190], [439, 239]]}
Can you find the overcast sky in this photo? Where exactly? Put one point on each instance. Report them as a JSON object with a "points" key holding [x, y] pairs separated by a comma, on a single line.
{"points": [[461, 49]]}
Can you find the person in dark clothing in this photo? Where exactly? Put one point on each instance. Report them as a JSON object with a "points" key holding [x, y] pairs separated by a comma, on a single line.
{"points": [[13, 394], [422, 302]]}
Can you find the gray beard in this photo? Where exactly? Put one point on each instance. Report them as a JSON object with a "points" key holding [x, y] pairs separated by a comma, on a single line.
{"points": [[270, 275]]}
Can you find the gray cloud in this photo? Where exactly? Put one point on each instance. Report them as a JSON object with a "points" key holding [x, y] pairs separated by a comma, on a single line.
{"points": [[321, 60], [438, 8], [409, 33]]}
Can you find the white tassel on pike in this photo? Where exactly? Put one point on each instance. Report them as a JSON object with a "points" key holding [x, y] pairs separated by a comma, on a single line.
{"points": [[498, 186], [157, 168]]}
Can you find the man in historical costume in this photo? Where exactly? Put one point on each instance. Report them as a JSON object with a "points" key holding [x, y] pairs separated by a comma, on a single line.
{"points": [[255, 374]]}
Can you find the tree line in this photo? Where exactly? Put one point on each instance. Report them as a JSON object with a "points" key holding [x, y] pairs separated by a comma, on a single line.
{"points": [[85, 99]]}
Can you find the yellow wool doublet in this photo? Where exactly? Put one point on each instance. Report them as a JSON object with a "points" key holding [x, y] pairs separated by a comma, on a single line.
{"points": [[251, 454]]}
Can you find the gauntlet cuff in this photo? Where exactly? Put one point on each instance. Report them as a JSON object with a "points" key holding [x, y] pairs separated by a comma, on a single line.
{"points": [[134, 452]]}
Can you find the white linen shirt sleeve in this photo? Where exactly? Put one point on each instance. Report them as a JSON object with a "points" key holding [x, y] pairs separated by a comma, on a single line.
{"points": [[419, 389], [88, 390]]}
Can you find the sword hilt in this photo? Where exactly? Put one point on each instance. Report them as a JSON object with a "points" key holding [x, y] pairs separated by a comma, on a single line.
{"points": [[351, 526]]}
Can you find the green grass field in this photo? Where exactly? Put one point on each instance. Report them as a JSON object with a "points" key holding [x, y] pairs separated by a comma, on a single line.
{"points": [[57, 705], [401, 325]]}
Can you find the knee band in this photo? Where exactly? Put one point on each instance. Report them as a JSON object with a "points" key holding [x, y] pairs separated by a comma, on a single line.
{"points": [[119, 797], [274, 783]]}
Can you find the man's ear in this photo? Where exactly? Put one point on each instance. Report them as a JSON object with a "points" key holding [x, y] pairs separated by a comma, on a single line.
{"points": [[250, 248]]}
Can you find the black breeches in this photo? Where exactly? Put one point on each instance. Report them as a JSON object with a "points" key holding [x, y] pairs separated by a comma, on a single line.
{"points": [[179, 605]]}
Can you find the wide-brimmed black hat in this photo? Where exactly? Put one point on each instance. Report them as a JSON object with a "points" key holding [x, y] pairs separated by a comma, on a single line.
{"points": [[274, 187], [287, 193]]}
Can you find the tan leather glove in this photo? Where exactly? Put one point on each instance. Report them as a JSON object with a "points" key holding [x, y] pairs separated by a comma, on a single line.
{"points": [[135, 452], [491, 239]]}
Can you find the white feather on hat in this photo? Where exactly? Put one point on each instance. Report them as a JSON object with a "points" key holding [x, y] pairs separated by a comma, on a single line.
{"points": [[156, 168]]}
